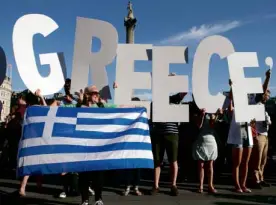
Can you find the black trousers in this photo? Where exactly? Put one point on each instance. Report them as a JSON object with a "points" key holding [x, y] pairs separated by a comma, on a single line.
{"points": [[97, 178], [133, 177]]}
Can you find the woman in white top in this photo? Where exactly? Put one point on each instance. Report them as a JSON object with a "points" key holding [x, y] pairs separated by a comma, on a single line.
{"points": [[240, 137]]}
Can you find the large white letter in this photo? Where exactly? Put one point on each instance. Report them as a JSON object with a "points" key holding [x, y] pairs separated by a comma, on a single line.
{"points": [[24, 30], [127, 79], [163, 85], [200, 83], [243, 86], [85, 59]]}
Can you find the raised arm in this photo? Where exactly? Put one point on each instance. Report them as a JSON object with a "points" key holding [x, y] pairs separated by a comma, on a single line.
{"points": [[201, 118], [38, 94], [80, 95], [267, 79], [231, 107]]}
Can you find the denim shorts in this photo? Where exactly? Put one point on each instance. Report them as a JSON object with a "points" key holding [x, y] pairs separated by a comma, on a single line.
{"points": [[245, 144]]}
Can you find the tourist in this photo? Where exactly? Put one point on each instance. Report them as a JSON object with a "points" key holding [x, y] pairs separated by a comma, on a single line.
{"points": [[205, 149], [240, 137]]}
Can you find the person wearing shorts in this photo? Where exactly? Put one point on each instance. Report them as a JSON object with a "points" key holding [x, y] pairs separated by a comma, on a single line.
{"points": [[240, 137], [165, 139]]}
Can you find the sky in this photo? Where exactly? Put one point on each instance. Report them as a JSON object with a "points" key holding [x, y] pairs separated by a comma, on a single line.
{"points": [[249, 25]]}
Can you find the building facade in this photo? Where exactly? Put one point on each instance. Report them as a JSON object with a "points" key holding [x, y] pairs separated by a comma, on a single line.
{"points": [[5, 98]]}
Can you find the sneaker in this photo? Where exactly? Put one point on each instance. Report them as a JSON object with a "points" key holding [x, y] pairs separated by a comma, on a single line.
{"points": [[265, 184], [62, 195], [91, 191], [154, 191], [137, 191], [126, 191], [85, 203], [100, 202], [174, 191]]}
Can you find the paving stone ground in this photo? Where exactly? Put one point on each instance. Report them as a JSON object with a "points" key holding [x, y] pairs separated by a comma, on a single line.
{"points": [[187, 195]]}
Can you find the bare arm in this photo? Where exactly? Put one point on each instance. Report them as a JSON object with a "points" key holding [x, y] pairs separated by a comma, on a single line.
{"points": [[38, 94], [201, 118], [55, 103], [267, 79]]}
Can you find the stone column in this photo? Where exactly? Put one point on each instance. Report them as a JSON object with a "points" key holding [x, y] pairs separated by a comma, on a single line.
{"points": [[130, 23]]}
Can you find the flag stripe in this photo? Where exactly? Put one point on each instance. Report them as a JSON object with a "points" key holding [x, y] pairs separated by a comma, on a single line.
{"points": [[79, 112], [116, 121], [83, 166], [56, 149], [78, 157], [111, 128], [66, 130], [131, 116], [83, 142]]}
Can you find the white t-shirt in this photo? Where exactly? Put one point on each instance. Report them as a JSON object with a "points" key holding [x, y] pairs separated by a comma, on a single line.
{"points": [[236, 133]]}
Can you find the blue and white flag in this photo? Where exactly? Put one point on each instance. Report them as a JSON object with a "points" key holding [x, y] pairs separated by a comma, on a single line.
{"points": [[60, 139]]}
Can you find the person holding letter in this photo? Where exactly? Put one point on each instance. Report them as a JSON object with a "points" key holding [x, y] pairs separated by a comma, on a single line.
{"points": [[205, 149], [260, 148], [166, 139], [240, 137]]}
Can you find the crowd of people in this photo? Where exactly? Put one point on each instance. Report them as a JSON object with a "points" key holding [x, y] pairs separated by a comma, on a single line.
{"points": [[203, 140]]}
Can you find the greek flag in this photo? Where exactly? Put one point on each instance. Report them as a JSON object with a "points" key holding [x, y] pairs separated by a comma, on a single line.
{"points": [[61, 139]]}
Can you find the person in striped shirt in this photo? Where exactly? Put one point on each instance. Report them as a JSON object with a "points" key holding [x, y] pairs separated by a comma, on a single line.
{"points": [[165, 138]]}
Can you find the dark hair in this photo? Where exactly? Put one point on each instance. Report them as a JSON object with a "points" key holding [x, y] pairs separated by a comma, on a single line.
{"points": [[70, 95], [135, 99], [85, 100], [31, 99], [22, 96]]}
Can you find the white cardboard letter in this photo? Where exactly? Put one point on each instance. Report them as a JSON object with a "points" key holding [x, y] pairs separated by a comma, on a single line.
{"points": [[163, 85], [24, 30], [127, 79], [243, 86], [85, 59], [200, 77]]}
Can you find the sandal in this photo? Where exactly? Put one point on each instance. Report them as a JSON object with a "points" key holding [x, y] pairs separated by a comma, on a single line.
{"points": [[22, 193], [238, 190], [212, 191], [137, 192], [246, 190], [200, 191]]}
